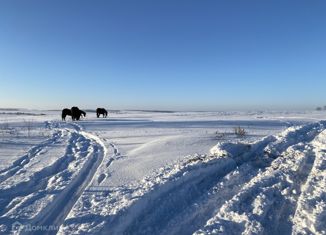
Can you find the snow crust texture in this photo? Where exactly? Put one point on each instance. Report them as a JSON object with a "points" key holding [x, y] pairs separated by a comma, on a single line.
{"points": [[271, 185]]}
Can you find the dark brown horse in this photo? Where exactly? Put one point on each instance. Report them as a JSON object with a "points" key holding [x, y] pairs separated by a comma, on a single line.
{"points": [[76, 113], [65, 112], [102, 111]]}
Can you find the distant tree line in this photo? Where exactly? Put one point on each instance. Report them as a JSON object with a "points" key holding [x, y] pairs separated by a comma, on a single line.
{"points": [[321, 108]]}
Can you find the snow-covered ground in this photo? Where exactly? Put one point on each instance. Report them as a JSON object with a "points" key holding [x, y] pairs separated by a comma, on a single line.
{"points": [[140, 172]]}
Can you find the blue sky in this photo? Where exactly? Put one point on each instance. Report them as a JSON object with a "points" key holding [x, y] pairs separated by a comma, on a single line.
{"points": [[164, 54]]}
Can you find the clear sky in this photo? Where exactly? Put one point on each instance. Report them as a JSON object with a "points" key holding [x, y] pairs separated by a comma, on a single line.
{"points": [[163, 54]]}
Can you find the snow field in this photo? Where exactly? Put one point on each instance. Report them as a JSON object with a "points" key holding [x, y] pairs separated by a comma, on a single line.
{"points": [[164, 173]]}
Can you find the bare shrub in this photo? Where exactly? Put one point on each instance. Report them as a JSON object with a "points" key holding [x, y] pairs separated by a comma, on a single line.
{"points": [[240, 132], [219, 135], [7, 130], [28, 124], [197, 158]]}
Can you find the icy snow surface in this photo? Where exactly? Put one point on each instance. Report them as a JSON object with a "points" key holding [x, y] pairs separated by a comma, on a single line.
{"points": [[140, 172]]}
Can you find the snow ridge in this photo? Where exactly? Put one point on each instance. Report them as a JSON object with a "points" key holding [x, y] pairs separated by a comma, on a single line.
{"points": [[267, 203]]}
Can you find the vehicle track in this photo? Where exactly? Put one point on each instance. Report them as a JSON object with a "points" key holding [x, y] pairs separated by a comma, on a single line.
{"points": [[184, 204], [267, 203], [61, 183], [311, 204], [32, 153]]}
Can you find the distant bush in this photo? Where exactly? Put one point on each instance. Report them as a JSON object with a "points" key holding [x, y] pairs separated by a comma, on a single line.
{"points": [[6, 129], [29, 125], [319, 109], [219, 135], [239, 131], [29, 128]]}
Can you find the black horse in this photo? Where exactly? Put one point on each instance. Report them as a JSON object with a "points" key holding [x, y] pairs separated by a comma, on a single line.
{"points": [[102, 111], [76, 113], [65, 112]]}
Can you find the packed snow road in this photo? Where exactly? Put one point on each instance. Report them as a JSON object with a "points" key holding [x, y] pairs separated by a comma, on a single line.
{"points": [[141, 173], [41, 187]]}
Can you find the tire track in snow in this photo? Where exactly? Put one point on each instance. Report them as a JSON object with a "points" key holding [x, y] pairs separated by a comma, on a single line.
{"points": [[90, 194], [267, 203], [261, 206], [230, 185], [62, 182], [38, 182], [32, 153], [310, 212], [61, 206], [156, 210]]}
